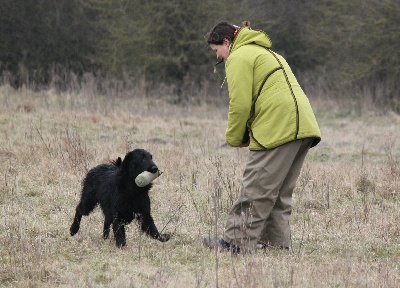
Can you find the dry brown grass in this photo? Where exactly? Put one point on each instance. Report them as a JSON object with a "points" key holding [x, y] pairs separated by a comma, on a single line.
{"points": [[346, 205]]}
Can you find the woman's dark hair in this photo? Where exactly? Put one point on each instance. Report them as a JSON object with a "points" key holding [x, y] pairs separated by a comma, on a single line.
{"points": [[219, 32], [223, 30]]}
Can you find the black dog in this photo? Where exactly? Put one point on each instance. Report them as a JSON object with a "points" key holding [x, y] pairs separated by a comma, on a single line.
{"points": [[121, 200]]}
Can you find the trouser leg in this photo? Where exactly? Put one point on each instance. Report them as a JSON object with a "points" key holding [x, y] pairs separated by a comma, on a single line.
{"points": [[263, 177], [277, 227]]}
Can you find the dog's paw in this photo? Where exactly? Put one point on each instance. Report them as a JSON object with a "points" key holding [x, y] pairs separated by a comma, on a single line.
{"points": [[74, 229], [164, 237], [121, 244]]}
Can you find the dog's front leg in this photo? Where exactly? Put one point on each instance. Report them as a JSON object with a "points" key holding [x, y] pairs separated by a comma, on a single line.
{"points": [[148, 226]]}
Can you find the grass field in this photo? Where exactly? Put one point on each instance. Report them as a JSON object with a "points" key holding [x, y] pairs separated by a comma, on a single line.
{"points": [[345, 222]]}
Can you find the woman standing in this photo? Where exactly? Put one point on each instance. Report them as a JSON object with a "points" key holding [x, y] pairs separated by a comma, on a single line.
{"points": [[270, 114]]}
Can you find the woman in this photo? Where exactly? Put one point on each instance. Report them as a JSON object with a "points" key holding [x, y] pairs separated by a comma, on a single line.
{"points": [[267, 104]]}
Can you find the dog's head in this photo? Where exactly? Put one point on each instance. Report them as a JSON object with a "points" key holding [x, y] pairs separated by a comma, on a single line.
{"points": [[138, 161]]}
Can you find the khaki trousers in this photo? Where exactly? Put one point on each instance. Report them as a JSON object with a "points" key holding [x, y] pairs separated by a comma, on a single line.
{"points": [[262, 211]]}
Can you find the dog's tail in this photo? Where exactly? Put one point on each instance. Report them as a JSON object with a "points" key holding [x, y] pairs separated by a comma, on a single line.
{"points": [[117, 162]]}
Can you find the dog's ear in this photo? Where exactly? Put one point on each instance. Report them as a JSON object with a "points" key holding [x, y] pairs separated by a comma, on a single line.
{"points": [[127, 162]]}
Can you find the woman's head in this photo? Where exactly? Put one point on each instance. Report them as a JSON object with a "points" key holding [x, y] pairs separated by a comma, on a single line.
{"points": [[224, 30], [221, 37]]}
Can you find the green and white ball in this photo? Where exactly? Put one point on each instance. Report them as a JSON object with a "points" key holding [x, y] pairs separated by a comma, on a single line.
{"points": [[145, 178]]}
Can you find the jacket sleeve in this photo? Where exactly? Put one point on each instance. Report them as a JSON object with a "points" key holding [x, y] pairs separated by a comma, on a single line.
{"points": [[239, 73]]}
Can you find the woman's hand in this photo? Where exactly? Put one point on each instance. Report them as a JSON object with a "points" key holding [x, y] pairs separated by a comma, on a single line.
{"points": [[246, 139]]}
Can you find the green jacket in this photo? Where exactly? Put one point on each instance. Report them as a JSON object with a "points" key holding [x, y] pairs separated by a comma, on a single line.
{"points": [[281, 113]]}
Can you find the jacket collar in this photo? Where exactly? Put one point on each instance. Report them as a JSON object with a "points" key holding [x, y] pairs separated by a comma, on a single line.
{"points": [[247, 36]]}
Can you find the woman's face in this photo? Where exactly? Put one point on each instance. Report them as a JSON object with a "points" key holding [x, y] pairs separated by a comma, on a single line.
{"points": [[222, 50]]}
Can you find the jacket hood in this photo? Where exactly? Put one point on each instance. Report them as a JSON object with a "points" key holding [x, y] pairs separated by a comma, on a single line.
{"points": [[249, 36]]}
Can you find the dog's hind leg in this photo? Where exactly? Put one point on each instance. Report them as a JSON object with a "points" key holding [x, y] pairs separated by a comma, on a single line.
{"points": [[107, 224], [85, 206], [76, 224], [119, 233]]}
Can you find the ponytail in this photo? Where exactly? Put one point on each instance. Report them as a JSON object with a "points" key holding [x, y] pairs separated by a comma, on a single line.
{"points": [[246, 24]]}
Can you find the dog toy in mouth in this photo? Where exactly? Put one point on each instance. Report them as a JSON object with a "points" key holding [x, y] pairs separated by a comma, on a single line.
{"points": [[146, 177]]}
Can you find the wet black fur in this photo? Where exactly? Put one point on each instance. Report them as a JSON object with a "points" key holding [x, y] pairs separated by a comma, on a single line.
{"points": [[121, 200]]}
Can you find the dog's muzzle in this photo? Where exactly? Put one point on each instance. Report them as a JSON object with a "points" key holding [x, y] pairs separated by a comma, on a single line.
{"points": [[153, 169]]}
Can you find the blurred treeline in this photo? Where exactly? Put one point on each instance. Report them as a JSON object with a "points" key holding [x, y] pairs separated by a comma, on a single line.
{"points": [[349, 44]]}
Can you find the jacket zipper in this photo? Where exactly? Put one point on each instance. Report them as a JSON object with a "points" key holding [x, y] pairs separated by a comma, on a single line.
{"points": [[252, 111], [293, 96]]}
